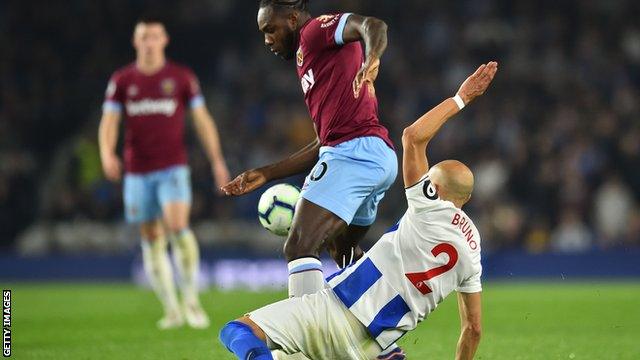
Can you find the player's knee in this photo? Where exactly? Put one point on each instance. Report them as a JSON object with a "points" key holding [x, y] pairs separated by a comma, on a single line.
{"points": [[176, 226], [151, 232], [345, 255], [474, 330], [177, 231], [296, 246]]}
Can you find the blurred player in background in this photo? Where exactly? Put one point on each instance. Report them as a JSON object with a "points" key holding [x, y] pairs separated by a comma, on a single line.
{"points": [[354, 158], [153, 93], [432, 251]]}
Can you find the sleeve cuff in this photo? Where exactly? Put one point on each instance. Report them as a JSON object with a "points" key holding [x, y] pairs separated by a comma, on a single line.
{"points": [[340, 29], [196, 101], [111, 106], [470, 290]]}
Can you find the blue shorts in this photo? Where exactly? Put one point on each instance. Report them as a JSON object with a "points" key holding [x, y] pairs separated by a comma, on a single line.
{"points": [[146, 194], [351, 178]]}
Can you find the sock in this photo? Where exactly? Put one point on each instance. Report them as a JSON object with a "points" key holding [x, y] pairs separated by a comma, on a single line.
{"points": [[393, 347], [240, 340], [158, 269], [305, 276], [186, 256]]}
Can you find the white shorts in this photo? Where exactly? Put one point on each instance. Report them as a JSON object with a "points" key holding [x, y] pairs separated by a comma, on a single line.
{"points": [[317, 325]]}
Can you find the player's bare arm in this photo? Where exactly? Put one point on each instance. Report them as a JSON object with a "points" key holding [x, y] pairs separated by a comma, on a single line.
{"points": [[108, 139], [416, 137], [470, 309], [373, 32], [208, 134], [301, 161]]}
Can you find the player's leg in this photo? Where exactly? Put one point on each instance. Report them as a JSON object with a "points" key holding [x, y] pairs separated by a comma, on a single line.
{"points": [[158, 269], [302, 325], [313, 226], [245, 339], [174, 192], [142, 208], [344, 248], [332, 194]]}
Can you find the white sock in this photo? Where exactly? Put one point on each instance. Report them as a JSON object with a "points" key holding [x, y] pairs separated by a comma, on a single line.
{"points": [[158, 269], [186, 256], [305, 276]]}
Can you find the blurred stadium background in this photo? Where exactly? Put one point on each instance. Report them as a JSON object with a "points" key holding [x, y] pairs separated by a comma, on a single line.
{"points": [[555, 144]]}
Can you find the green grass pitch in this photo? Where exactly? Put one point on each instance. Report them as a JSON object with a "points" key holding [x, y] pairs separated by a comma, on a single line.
{"points": [[521, 321]]}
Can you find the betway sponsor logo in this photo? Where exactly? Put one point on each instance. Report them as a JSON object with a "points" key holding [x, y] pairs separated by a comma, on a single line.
{"points": [[307, 81], [147, 106]]}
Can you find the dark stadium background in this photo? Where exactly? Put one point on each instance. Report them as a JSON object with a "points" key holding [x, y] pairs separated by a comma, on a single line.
{"points": [[554, 144]]}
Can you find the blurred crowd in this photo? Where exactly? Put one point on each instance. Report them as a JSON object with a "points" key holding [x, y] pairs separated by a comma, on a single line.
{"points": [[554, 144]]}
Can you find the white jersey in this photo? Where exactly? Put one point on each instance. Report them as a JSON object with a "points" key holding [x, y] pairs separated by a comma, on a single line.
{"points": [[433, 250]]}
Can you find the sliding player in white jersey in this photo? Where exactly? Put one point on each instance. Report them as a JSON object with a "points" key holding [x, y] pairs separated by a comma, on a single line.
{"points": [[432, 251]]}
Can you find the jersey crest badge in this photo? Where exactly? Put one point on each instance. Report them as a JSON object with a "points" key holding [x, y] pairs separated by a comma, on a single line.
{"points": [[299, 57], [168, 86]]}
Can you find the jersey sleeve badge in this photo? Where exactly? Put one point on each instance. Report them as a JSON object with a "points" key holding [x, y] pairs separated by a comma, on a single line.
{"points": [[327, 20], [299, 57]]}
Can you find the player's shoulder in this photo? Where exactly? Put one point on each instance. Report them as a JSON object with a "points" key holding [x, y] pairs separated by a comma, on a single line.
{"points": [[179, 68], [124, 72], [467, 230], [423, 194], [328, 20], [319, 23]]}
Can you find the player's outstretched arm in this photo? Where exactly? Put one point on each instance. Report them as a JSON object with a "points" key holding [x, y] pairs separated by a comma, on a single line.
{"points": [[210, 138], [301, 161], [416, 136], [108, 139], [470, 308], [373, 32]]}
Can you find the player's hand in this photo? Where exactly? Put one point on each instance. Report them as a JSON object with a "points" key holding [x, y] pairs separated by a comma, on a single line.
{"points": [[245, 183], [112, 167], [478, 82], [367, 75], [220, 174]]}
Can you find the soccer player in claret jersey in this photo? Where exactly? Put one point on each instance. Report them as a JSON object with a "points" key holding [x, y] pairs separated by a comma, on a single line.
{"points": [[153, 93], [354, 158], [432, 251], [355, 163]]}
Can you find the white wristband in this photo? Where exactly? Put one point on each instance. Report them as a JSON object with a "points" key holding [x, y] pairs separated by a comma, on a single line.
{"points": [[458, 101]]}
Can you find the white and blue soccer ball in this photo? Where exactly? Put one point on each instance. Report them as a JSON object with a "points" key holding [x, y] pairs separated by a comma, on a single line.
{"points": [[276, 208]]}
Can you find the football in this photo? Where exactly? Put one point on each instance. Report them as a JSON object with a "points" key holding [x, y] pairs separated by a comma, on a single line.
{"points": [[276, 208]]}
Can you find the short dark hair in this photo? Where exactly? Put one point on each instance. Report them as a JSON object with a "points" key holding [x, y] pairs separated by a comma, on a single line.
{"points": [[150, 19], [300, 5]]}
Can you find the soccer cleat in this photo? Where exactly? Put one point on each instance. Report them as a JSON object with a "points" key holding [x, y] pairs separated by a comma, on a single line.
{"points": [[171, 321], [195, 316], [395, 354]]}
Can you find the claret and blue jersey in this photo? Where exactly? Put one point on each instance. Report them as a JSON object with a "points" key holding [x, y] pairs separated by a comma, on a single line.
{"points": [[357, 163], [327, 67]]}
